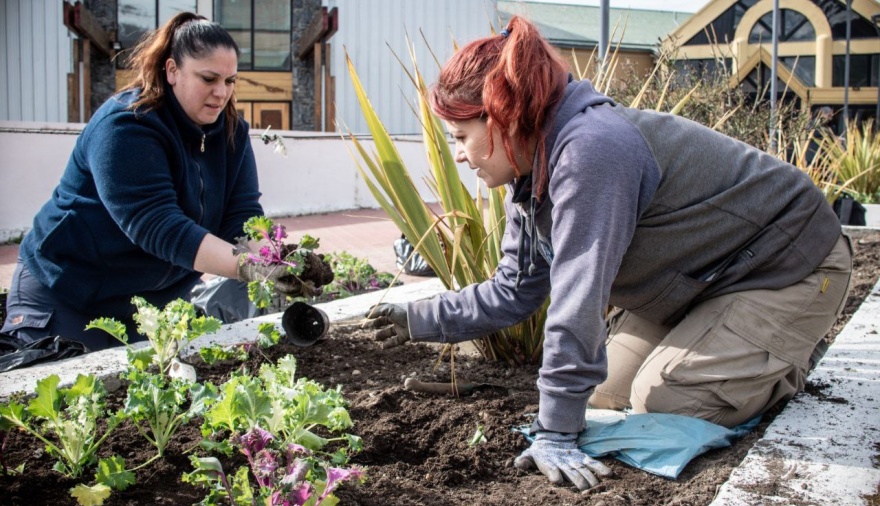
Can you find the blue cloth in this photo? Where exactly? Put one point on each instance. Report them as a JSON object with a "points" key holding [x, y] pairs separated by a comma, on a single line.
{"points": [[140, 192], [658, 443]]}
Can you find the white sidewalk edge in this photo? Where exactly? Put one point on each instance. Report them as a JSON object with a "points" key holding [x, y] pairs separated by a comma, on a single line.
{"points": [[109, 363], [822, 449]]}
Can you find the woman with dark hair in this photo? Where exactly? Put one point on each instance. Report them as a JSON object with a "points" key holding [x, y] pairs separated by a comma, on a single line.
{"points": [[157, 189], [725, 267]]}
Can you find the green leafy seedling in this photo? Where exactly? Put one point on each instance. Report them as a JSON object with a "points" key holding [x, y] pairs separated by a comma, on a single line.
{"points": [[167, 330]]}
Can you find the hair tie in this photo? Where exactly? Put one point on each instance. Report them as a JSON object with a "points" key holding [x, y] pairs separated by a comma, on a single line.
{"points": [[505, 33]]}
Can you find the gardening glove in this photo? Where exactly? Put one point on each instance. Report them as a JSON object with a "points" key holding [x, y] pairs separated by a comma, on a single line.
{"points": [[391, 321], [557, 456], [285, 282]]}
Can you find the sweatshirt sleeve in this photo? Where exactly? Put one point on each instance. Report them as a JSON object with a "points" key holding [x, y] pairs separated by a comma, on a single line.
{"points": [[129, 161], [482, 308], [597, 178]]}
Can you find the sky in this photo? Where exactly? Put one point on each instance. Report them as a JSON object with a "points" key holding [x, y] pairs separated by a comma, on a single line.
{"points": [[663, 5]]}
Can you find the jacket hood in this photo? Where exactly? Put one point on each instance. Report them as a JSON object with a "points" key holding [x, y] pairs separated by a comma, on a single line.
{"points": [[578, 96]]}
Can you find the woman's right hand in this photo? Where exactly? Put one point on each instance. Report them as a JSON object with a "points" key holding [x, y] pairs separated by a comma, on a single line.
{"points": [[391, 320]]}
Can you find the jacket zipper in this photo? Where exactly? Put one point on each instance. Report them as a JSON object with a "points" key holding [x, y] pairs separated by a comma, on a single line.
{"points": [[203, 142], [201, 193]]}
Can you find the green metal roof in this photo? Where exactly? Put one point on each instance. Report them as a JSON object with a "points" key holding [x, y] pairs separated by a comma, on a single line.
{"points": [[578, 25]]}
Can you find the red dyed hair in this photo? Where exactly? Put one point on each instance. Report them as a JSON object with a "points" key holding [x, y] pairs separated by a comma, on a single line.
{"points": [[512, 82]]}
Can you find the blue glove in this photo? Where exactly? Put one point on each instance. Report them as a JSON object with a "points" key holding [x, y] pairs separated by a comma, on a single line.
{"points": [[557, 456]]}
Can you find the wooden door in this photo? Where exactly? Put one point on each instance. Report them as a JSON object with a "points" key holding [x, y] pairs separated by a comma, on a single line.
{"points": [[274, 114], [245, 110]]}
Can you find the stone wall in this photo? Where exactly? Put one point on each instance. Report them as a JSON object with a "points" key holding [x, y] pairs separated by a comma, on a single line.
{"points": [[302, 114]]}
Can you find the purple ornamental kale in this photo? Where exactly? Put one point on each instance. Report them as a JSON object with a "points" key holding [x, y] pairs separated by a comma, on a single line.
{"points": [[336, 475], [254, 441]]}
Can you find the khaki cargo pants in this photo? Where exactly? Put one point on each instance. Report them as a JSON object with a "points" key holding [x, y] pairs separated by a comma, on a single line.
{"points": [[732, 357]]}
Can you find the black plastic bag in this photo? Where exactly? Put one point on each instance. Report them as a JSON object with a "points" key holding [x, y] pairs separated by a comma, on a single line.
{"points": [[15, 353], [411, 262], [850, 211]]}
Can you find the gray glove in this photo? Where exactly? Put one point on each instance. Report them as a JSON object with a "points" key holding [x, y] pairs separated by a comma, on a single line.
{"points": [[556, 455], [392, 323], [285, 282]]}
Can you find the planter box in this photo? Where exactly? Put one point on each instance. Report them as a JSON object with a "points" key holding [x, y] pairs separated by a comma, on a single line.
{"points": [[109, 363], [872, 215]]}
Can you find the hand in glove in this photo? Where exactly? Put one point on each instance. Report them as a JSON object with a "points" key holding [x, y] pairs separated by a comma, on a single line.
{"points": [[392, 323], [557, 456], [285, 282]]}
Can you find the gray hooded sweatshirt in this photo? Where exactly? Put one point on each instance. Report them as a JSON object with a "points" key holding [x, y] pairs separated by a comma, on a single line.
{"points": [[645, 211]]}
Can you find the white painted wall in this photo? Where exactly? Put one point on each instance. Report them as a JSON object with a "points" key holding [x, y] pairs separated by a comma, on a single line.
{"points": [[319, 174], [371, 29], [35, 57]]}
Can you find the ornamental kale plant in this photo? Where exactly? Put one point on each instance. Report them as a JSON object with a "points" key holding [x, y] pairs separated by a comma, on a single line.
{"points": [[353, 275], [273, 252], [167, 330], [155, 405], [289, 407], [5, 427], [273, 418], [285, 474], [267, 336], [65, 420]]}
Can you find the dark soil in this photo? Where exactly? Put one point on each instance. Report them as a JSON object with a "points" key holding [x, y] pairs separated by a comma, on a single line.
{"points": [[415, 445]]}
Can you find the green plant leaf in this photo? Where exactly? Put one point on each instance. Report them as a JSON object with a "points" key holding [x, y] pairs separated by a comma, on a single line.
{"points": [[203, 325], [258, 228], [90, 496], [308, 242], [12, 415], [141, 358], [47, 404], [111, 326], [261, 293], [268, 335], [223, 415], [112, 472], [84, 385], [479, 437], [241, 487]]}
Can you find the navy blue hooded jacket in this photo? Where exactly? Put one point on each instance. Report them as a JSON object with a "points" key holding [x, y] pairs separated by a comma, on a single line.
{"points": [[140, 192]]}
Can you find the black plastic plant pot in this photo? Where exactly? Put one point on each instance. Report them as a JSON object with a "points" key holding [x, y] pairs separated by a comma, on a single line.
{"points": [[304, 324]]}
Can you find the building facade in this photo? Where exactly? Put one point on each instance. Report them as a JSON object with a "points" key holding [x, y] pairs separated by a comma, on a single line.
{"points": [[62, 59], [812, 47]]}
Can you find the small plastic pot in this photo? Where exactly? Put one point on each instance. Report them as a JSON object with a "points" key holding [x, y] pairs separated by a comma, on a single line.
{"points": [[304, 324]]}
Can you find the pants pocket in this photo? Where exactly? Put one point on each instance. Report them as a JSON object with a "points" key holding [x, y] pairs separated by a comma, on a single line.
{"points": [[747, 351], [27, 324]]}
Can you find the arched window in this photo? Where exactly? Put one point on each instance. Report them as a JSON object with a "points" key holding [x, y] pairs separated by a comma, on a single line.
{"points": [[835, 13], [793, 27], [722, 28]]}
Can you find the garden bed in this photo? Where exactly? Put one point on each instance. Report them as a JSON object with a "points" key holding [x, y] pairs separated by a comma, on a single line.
{"points": [[416, 447]]}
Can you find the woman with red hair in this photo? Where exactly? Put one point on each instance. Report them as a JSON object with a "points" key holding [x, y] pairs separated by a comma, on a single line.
{"points": [[725, 267]]}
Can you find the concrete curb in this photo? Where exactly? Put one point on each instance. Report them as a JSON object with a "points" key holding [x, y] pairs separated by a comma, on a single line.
{"points": [[822, 449], [108, 363]]}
